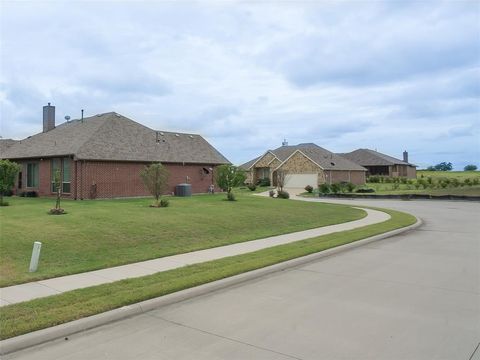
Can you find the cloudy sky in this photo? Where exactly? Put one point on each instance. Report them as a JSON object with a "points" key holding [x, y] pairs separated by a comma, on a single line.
{"points": [[391, 76]]}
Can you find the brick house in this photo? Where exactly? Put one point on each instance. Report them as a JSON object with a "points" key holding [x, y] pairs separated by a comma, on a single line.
{"points": [[102, 157], [377, 163], [305, 164]]}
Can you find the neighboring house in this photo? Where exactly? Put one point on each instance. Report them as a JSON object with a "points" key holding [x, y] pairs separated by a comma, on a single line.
{"points": [[380, 164], [305, 164], [102, 157]]}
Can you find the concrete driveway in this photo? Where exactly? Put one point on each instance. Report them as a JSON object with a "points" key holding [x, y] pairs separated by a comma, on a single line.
{"points": [[413, 296]]}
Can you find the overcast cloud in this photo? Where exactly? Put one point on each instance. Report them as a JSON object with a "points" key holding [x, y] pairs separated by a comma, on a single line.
{"points": [[391, 76]]}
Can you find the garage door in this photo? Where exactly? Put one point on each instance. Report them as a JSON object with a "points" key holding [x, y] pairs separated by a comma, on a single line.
{"points": [[300, 180]]}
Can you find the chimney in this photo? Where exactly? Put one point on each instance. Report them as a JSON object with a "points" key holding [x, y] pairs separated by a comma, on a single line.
{"points": [[48, 118], [405, 156]]}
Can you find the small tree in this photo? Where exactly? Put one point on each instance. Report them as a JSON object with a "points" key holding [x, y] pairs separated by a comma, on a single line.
{"points": [[57, 181], [155, 178], [281, 175], [229, 176], [470, 167], [8, 173]]}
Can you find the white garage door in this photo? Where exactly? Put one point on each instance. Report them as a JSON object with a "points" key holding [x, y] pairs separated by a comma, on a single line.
{"points": [[300, 180]]}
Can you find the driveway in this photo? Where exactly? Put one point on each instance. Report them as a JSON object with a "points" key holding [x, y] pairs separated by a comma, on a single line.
{"points": [[413, 296]]}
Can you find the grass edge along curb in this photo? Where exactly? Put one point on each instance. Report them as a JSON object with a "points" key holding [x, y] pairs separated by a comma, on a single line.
{"points": [[42, 313]]}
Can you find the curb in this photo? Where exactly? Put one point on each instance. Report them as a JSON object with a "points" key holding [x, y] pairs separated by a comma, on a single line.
{"points": [[56, 332]]}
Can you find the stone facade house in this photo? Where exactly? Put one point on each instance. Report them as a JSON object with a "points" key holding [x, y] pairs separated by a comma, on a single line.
{"points": [[102, 157], [377, 163], [304, 164]]}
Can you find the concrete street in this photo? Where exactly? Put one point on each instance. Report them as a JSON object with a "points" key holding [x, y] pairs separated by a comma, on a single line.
{"points": [[413, 296]]}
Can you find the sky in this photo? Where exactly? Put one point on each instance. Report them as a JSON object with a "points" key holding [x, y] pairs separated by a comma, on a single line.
{"points": [[384, 75]]}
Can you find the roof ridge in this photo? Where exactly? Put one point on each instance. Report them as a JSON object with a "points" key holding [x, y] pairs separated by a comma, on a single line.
{"points": [[102, 124]]}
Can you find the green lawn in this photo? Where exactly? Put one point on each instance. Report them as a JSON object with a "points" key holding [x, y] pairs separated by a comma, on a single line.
{"points": [[40, 313], [103, 233], [386, 189], [460, 175]]}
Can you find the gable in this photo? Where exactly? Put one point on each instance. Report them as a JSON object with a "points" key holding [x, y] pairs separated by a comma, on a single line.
{"points": [[298, 163], [264, 160]]}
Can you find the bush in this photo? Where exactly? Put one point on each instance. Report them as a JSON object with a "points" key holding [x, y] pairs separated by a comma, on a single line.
{"points": [[28, 194], [8, 193], [373, 179], [403, 180], [4, 203], [309, 188], [263, 182], [470, 167], [324, 188], [231, 196], [468, 182], [283, 195], [252, 187], [476, 181], [335, 188], [350, 187], [271, 193], [365, 190], [164, 203]]}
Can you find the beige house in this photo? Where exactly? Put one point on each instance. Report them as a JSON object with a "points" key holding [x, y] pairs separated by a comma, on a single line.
{"points": [[380, 164], [304, 164]]}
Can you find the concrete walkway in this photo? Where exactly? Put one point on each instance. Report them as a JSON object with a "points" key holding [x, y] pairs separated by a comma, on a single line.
{"points": [[37, 289]]}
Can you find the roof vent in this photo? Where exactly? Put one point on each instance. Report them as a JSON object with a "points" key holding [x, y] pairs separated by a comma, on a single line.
{"points": [[190, 136], [332, 163], [118, 115], [161, 133], [177, 135], [99, 115], [284, 142]]}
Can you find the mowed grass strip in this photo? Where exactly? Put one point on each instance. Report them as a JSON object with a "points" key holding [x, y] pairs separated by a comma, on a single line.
{"points": [[98, 234], [41, 313]]}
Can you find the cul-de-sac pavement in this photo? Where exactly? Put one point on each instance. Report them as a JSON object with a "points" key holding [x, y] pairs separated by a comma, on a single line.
{"points": [[412, 296]]}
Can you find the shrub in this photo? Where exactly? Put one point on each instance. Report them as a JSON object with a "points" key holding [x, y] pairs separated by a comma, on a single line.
{"points": [[365, 190], [164, 203], [417, 185], [476, 181], [271, 193], [395, 185], [373, 179], [403, 180], [430, 180], [335, 188], [263, 182], [283, 194], [468, 182], [350, 187], [324, 188], [309, 188], [4, 203], [252, 187], [28, 194], [8, 193], [231, 196]]}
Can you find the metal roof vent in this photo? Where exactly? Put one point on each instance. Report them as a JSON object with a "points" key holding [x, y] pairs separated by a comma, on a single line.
{"points": [[177, 135], [190, 136]]}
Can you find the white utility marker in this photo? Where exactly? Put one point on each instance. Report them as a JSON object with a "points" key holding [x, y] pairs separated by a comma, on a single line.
{"points": [[37, 246]]}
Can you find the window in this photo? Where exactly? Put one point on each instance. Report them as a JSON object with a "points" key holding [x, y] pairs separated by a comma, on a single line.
{"points": [[56, 166], [62, 165], [66, 175], [32, 175]]}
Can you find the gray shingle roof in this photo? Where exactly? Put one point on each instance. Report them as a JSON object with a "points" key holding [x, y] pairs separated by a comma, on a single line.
{"points": [[367, 157], [326, 159], [111, 136]]}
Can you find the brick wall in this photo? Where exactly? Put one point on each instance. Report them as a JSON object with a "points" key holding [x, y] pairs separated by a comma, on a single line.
{"points": [[353, 176], [104, 179]]}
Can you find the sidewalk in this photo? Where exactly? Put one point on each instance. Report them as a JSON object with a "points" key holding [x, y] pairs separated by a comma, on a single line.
{"points": [[37, 289]]}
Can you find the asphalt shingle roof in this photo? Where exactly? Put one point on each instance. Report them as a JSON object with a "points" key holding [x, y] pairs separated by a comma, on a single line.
{"points": [[367, 157], [326, 159], [111, 136]]}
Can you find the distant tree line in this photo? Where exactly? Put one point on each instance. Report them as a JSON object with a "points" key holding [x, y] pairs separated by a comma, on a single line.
{"points": [[447, 166]]}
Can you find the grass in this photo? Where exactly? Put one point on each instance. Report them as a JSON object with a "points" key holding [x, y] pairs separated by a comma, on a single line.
{"points": [[41, 313], [460, 175], [97, 234], [387, 189]]}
